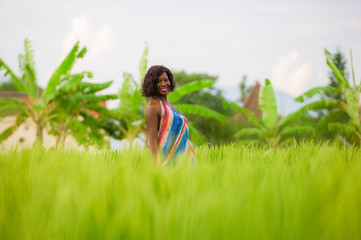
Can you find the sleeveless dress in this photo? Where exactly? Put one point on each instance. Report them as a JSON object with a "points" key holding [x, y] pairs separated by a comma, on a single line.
{"points": [[173, 136]]}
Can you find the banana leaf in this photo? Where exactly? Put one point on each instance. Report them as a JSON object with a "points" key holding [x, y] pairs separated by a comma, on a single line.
{"points": [[91, 98], [71, 82], [27, 67], [190, 88], [347, 128], [332, 116], [143, 64], [304, 129], [17, 82], [93, 87], [10, 106], [131, 102], [63, 69], [200, 111], [268, 105], [10, 130], [248, 132], [290, 118], [315, 91], [321, 104], [352, 107]]}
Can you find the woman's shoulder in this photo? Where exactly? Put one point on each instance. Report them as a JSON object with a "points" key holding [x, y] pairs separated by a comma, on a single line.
{"points": [[153, 102], [153, 105]]}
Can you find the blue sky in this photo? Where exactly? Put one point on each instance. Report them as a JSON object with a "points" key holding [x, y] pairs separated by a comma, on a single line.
{"points": [[279, 40]]}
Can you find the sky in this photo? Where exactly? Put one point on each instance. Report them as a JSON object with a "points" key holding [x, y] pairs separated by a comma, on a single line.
{"points": [[280, 40]]}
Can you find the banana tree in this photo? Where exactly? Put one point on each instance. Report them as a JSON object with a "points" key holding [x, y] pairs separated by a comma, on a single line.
{"points": [[45, 107], [270, 129], [132, 104], [343, 116], [78, 112]]}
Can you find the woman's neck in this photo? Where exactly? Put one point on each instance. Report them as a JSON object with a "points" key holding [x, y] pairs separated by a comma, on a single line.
{"points": [[162, 98]]}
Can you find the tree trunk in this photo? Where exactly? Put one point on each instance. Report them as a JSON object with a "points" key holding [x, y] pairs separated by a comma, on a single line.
{"points": [[39, 132], [59, 136]]}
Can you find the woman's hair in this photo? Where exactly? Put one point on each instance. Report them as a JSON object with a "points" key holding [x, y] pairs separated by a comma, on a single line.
{"points": [[149, 86]]}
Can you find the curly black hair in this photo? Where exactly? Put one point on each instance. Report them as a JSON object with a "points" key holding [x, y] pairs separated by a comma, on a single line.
{"points": [[149, 86]]}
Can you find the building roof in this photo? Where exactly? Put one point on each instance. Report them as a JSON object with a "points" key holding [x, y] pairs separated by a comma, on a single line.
{"points": [[251, 103]]}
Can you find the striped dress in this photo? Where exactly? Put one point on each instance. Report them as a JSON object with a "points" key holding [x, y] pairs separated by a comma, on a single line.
{"points": [[173, 136]]}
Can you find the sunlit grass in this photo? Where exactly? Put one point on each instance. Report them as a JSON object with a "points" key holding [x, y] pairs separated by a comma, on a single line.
{"points": [[305, 192]]}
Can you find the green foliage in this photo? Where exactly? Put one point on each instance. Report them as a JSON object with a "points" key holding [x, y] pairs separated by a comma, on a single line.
{"points": [[63, 69], [324, 90], [308, 191], [185, 89], [200, 111], [17, 82], [182, 77], [269, 129], [243, 88], [340, 63], [132, 105], [215, 132], [27, 69], [342, 111], [7, 86], [77, 112], [10, 106], [64, 106], [336, 63], [267, 101], [143, 66]]}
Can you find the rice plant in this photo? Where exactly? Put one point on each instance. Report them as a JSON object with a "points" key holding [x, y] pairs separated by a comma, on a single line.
{"points": [[308, 191]]}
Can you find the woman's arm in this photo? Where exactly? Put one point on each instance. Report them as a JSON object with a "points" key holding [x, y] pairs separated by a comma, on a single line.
{"points": [[152, 114]]}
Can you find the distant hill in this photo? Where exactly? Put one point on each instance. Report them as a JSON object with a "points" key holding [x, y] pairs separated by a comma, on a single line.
{"points": [[285, 102]]}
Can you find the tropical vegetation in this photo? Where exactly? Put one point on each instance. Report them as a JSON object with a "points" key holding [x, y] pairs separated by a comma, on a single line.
{"points": [[270, 129], [63, 108], [248, 188], [72, 105], [343, 113], [212, 132]]}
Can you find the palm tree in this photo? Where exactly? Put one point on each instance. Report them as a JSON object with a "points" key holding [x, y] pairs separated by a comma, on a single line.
{"points": [[59, 106], [271, 130]]}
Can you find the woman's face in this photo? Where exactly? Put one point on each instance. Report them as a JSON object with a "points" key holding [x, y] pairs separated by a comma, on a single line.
{"points": [[163, 84]]}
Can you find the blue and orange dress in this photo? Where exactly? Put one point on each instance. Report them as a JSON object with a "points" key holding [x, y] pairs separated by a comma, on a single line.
{"points": [[173, 136]]}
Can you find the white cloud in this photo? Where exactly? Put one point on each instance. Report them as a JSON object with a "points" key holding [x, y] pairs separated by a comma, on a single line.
{"points": [[290, 76], [97, 42]]}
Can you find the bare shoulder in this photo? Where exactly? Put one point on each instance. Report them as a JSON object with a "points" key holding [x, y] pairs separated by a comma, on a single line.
{"points": [[153, 107]]}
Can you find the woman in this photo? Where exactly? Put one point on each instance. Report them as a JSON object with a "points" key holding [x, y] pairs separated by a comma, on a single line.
{"points": [[167, 128]]}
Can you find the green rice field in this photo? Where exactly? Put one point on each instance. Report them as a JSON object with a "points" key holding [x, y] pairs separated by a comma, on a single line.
{"points": [[309, 191]]}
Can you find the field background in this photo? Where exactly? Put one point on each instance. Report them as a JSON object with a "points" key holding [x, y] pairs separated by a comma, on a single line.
{"points": [[308, 191]]}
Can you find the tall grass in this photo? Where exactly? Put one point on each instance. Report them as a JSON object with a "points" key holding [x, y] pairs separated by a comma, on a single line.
{"points": [[305, 192]]}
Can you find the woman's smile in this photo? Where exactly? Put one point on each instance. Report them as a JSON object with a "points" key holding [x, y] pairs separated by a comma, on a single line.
{"points": [[163, 84]]}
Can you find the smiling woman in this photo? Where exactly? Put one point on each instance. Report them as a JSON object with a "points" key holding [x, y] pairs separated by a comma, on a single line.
{"points": [[167, 128]]}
